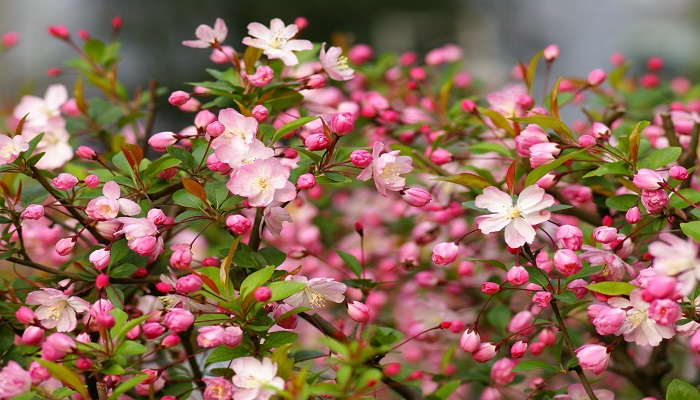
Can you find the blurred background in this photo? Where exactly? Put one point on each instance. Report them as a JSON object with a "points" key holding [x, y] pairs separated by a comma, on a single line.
{"points": [[494, 34]]}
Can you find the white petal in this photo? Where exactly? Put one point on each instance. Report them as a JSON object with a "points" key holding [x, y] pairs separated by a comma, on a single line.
{"points": [[491, 223], [128, 207]]}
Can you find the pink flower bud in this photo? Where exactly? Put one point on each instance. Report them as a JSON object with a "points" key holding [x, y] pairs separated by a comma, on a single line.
{"points": [[181, 259], [544, 262], [260, 113], [445, 253], [156, 215], [233, 336], [164, 287], [517, 276], [317, 141], [361, 158], [71, 109], [92, 181], [152, 330], [695, 342], [160, 141], [59, 31], [262, 294], [661, 286], [222, 55], [117, 23], [593, 357], [440, 156], [632, 216], [32, 336], [551, 53], [469, 106], [210, 262], [204, 118], [654, 200], [178, 98], [56, 346], [470, 340], [655, 63], [607, 320], [342, 123], [596, 77], [33, 212], [542, 299], [24, 315], [360, 54], [210, 336], [502, 371], [238, 224], [359, 312], [416, 197], [485, 352], [604, 234], [518, 349], [9, 39], [417, 74], [83, 363], [586, 141], [65, 246], [170, 341], [301, 23], [678, 172], [306, 181], [316, 81], [105, 320], [289, 322], [215, 129], [100, 258], [134, 332], [426, 279], [188, 284], [86, 153], [263, 75], [102, 281], [664, 311], [392, 369], [649, 81], [647, 179], [65, 181], [178, 320], [566, 262], [490, 288]]}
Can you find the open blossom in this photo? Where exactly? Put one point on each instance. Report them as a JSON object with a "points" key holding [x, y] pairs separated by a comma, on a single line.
{"points": [[613, 266], [206, 36], [141, 235], [263, 182], [385, 169], [316, 292], [277, 41], [57, 310], [518, 218], [11, 147], [255, 379], [638, 327], [14, 380], [105, 208], [676, 257], [218, 389], [41, 111], [335, 64], [237, 153], [235, 124]]}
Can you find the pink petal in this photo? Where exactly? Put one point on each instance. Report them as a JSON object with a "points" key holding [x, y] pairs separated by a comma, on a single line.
{"points": [[128, 207], [197, 44], [111, 190], [258, 30], [494, 200], [56, 95], [491, 223]]}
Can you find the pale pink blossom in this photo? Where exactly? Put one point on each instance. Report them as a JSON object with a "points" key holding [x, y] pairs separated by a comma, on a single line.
{"points": [[57, 310], [218, 389], [14, 380], [41, 111], [11, 147], [263, 182], [335, 64], [106, 207], [677, 258], [273, 216], [613, 266], [235, 125], [638, 327], [255, 379], [277, 41], [236, 152], [316, 292], [386, 169], [208, 36], [518, 218]]}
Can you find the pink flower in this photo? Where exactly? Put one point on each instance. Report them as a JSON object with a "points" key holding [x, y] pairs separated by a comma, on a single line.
{"points": [[518, 218], [254, 379], [178, 319], [543, 153], [105, 208], [33, 212], [359, 312], [518, 349], [654, 200], [664, 311], [638, 326], [445, 253], [551, 53], [470, 340], [218, 389], [277, 41], [485, 352], [316, 292], [263, 75], [608, 320], [11, 147], [41, 111], [210, 336], [263, 182], [208, 37], [517, 276], [141, 234], [385, 169], [335, 64], [416, 197], [14, 380], [542, 299], [593, 357], [577, 392], [501, 371], [677, 258], [65, 181], [57, 310], [233, 336], [569, 237], [235, 152], [238, 224]]}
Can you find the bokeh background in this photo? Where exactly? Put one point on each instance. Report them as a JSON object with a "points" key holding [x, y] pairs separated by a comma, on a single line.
{"points": [[494, 34]]}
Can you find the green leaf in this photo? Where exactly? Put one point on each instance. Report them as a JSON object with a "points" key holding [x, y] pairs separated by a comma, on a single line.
{"points": [[566, 297], [532, 365], [161, 164], [123, 270], [223, 353], [445, 390], [130, 348], [676, 201], [255, 280], [65, 375], [543, 170], [32, 145], [351, 262], [495, 263], [127, 385], [537, 276], [681, 390], [334, 176], [183, 198], [634, 140], [467, 179], [95, 49], [611, 288], [486, 147], [217, 193], [623, 202], [290, 126], [277, 339], [692, 230], [63, 392], [616, 168], [499, 316], [547, 122], [282, 290], [273, 256], [183, 155], [660, 157], [125, 328], [498, 120], [119, 161]]}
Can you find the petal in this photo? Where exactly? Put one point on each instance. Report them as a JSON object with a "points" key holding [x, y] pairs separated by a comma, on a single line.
{"points": [[220, 30], [258, 30], [366, 174], [128, 207], [276, 25], [494, 200], [491, 223], [66, 321], [196, 44], [519, 232], [298, 45], [530, 197], [56, 95], [111, 190], [204, 33], [257, 43]]}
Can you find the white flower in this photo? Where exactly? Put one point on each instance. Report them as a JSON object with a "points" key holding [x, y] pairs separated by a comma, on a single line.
{"points": [[316, 292], [11, 147], [518, 218], [638, 327], [277, 41], [57, 310], [255, 380], [385, 169], [676, 257], [207, 36], [335, 64], [41, 111]]}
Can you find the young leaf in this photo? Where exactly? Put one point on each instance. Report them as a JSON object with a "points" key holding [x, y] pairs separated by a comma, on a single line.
{"points": [[634, 140], [195, 189], [290, 126], [351, 262], [611, 288], [542, 170], [467, 179]]}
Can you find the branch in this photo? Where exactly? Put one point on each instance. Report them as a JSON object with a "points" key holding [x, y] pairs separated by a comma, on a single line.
{"points": [[187, 344]]}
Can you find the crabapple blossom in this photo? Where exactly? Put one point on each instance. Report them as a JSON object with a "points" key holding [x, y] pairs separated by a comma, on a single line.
{"points": [[65, 181], [106, 207], [385, 169], [14, 380], [208, 36], [445, 253], [277, 41], [593, 357], [638, 327], [485, 352], [316, 292], [416, 197], [255, 379], [335, 64], [501, 371], [359, 312], [263, 75], [518, 218], [218, 389], [10, 148], [647, 179], [470, 340], [654, 200], [262, 182], [57, 310]]}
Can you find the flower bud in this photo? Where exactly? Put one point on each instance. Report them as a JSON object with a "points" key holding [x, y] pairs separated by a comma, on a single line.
{"points": [[181, 259], [586, 141], [517, 276], [188, 284], [33, 212], [170, 340], [178, 98], [59, 31], [647, 179], [502, 371], [392, 369], [105, 320], [445, 253], [203, 119], [551, 53], [178, 320], [156, 215], [542, 299], [262, 294], [485, 352], [632, 216], [566, 262], [65, 181], [102, 281], [32, 336], [160, 141], [470, 340], [92, 181], [361, 158], [569, 237], [593, 357], [342, 123], [306, 181], [263, 75], [316, 141], [260, 113], [65, 246], [440, 156], [134, 332], [210, 262], [100, 258], [83, 363], [359, 312], [233, 336], [316, 81], [604, 234], [518, 349], [678, 172], [469, 106], [654, 200], [86, 152], [238, 224], [9, 39], [596, 77], [360, 54], [289, 322], [664, 311], [416, 197], [490, 288], [24, 315], [152, 330]]}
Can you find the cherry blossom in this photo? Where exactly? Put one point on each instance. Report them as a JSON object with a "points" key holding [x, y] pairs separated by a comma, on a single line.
{"points": [[386, 169], [316, 292], [277, 41], [105, 208], [57, 310], [208, 37]]}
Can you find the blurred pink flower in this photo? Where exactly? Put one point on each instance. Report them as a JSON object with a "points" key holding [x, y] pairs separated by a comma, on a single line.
{"points": [[206, 36], [57, 310]]}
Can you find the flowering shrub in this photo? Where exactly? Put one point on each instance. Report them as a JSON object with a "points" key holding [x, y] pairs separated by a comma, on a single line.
{"points": [[501, 251]]}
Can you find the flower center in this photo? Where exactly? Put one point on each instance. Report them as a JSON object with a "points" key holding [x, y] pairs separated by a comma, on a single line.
{"points": [[513, 213], [277, 40], [7, 150], [390, 173], [261, 183], [54, 312], [315, 298]]}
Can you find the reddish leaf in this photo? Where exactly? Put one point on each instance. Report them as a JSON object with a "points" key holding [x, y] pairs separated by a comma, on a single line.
{"points": [[18, 130], [130, 158], [195, 189], [136, 151], [244, 110], [510, 177]]}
